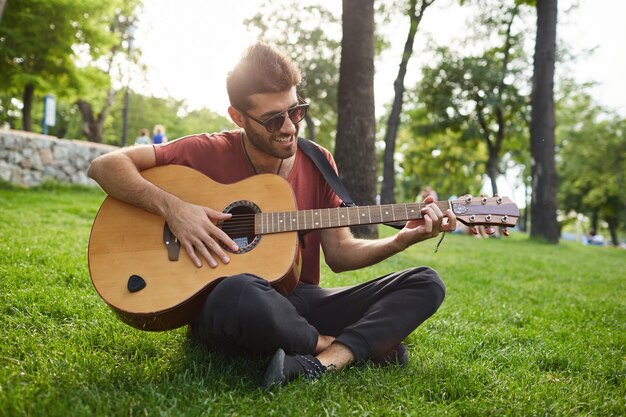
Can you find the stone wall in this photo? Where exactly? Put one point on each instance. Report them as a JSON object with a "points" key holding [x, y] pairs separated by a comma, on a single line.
{"points": [[28, 158]]}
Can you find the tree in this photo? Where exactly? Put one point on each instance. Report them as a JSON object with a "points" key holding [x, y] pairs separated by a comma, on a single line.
{"points": [[438, 159], [123, 19], [39, 42], [591, 161], [542, 143], [387, 193], [356, 125], [2, 4], [173, 114], [476, 98]]}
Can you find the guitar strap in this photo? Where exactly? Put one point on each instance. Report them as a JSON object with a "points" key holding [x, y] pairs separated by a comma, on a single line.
{"points": [[327, 170], [330, 175]]}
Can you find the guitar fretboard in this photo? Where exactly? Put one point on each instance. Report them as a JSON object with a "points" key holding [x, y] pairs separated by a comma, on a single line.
{"points": [[289, 221]]}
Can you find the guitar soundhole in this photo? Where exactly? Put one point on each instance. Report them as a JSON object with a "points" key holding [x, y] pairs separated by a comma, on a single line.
{"points": [[240, 227]]}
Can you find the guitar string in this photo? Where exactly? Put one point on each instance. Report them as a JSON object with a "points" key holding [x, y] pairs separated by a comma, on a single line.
{"points": [[441, 205], [243, 218], [244, 223], [239, 218]]}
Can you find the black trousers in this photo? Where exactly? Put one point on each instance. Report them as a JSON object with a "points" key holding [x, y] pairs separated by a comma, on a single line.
{"points": [[245, 314]]}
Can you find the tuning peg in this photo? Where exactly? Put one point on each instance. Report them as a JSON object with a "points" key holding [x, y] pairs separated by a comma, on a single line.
{"points": [[505, 231], [490, 230], [474, 230]]}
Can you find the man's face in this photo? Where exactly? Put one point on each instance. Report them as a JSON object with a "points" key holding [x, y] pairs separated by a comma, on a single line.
{"points": [[281, 144]]}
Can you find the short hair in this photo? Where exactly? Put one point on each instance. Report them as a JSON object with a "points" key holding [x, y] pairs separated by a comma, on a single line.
{"points": [[262, 69]]}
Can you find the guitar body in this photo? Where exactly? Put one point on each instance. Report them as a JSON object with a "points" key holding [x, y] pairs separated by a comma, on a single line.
{"points": [[127, 246]]}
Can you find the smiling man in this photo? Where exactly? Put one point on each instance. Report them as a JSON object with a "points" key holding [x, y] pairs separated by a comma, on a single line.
{"points": [[312, 329]]}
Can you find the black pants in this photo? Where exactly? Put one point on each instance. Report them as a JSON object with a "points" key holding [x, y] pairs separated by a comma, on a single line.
{"points": [[245, 314]]}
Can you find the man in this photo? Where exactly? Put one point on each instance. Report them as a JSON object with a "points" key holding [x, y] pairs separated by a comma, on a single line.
{"points": [[313, 329]]}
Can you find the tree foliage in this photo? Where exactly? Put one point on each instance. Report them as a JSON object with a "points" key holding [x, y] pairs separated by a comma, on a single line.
{"points": [[479, 98], [592, 160], [41, 40], [438, 159], [148, 111], [415, 14]]}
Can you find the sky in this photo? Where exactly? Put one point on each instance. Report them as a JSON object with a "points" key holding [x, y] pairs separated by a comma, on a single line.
{"points": [[190, 45]]}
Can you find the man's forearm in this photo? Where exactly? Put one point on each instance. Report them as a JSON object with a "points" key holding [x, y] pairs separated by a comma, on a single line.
{"points": [[362, 252], [120, 178]]}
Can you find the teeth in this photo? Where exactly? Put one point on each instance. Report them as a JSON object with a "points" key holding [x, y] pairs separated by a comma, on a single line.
{"points": [[283, 140]]}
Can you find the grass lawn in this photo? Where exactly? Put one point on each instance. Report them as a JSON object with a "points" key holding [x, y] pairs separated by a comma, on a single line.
{"points": [[526, 329]]}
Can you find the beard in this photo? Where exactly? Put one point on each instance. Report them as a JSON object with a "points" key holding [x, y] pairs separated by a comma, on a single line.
{"points": [[265, 143]]}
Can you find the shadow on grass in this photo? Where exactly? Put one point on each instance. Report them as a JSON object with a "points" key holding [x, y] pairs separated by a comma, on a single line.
{"points": [[215, 370]]}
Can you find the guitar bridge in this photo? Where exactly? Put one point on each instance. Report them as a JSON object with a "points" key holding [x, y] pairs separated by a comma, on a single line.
{"points": [[171, 243]]}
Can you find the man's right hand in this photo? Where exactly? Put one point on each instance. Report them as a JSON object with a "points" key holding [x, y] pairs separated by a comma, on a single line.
{"points": [[196, 229]]}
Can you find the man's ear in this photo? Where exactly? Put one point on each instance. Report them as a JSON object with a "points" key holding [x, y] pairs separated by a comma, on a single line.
{"points": [[236, 116]]}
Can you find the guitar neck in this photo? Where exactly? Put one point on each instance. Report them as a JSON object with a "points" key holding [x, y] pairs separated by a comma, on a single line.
{"points": [[291, 221]]}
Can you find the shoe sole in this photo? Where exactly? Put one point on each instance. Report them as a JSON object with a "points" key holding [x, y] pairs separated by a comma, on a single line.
{"points": [[274, 373]]}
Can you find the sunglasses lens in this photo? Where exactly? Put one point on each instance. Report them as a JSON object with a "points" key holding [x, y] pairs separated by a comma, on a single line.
{"points": [[297, 113], [275, 123]]}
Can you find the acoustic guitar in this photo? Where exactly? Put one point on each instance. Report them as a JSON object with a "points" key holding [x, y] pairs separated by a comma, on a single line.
{"points": [[140, 270]]}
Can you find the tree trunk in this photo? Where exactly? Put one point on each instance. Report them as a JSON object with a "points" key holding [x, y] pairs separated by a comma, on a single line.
{"points": [[613, 223], [594, 220], [310, 128], [544, 181], [492, 172], [2, 4], [355, 150], [27, 110], [387, 193], [92, 127]]}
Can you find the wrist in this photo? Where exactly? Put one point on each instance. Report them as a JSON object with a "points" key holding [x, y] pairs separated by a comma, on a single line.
{"points": [[399, 244]]}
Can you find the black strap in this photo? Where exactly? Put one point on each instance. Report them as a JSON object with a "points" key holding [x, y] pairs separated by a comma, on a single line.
{"points": [[330, 175], [326, 169]]}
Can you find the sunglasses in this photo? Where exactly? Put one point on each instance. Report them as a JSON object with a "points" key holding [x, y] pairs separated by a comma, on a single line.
{"points": [[275, 122]]}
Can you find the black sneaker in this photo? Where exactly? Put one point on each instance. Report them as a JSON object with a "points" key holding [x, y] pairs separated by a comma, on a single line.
{"points": [[285, 368], [397, 355]]}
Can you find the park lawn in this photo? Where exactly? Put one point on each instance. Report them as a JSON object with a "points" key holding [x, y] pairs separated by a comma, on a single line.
{"points": [[526, 329]]}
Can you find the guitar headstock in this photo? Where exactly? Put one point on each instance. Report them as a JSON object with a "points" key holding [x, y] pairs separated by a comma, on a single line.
{"points": [[485, 211]]}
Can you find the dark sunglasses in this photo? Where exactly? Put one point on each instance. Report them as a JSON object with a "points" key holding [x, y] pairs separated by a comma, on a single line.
{"points": [[275, 122]]}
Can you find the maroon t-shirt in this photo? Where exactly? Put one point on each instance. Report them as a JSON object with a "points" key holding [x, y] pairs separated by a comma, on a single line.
{"points": [[221, 157]]}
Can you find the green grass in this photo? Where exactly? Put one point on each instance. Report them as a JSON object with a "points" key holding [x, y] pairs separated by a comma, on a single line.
{"points": [[526, 329]]}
